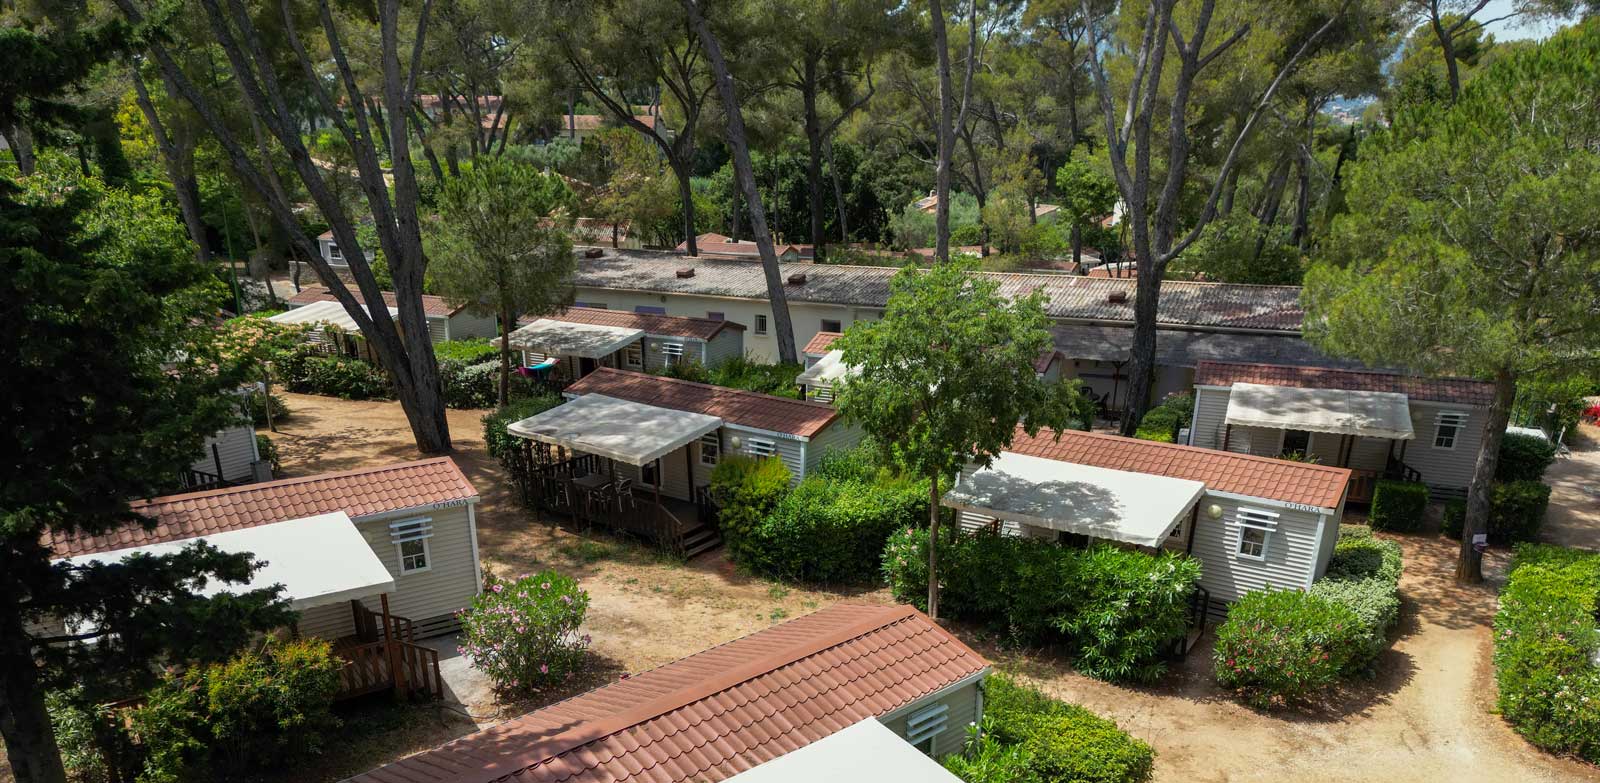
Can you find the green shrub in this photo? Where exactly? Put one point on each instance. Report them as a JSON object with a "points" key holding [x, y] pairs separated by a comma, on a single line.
{"points": [[336, 376], [81, 734], [740, 372], [470, 386], [746, 490], [1353, 532], [523, 633], [860, 462], [500, 443], [1516, 512], [1029, 737], [1281, 647], [1114, 610], [225, 721], [833, 531], [257, 403], [1398, 505], [1159, 424], [1376, 605], [1365, 558], [1523, 458], [1546, 640], [474, 350], [268, 449]]}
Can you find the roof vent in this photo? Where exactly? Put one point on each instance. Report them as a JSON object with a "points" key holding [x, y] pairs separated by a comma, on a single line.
{"points": [[798, 278], [687, 271], [1118, 296], [593, 252]]}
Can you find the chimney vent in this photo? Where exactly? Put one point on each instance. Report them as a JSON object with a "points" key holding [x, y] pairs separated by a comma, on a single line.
{"points": [[1117, 297], [593, 252], [686, 272], [798, 278]]}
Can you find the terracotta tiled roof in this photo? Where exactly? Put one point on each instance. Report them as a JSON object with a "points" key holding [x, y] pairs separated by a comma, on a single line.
{"points": [[821, 342], [1043, 362], [358, 493], [1457, 390], [718, 245], [670, 325], [1223, 471], [712, 715], [801, 418], [589, 122], [1183, 303], [431, 305]]}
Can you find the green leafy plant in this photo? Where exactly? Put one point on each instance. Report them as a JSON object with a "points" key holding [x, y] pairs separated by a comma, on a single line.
{"points": [[473, 350], [1364, 575], [501, 444], [268, 449], [1163, 422], [254, 712], [832, 531], [746, 490], [1523, 458], [1029, 737], [258, 404], [523, 632], [1283, 647], [1516, 512], [1398, 505], [1546, 637]]}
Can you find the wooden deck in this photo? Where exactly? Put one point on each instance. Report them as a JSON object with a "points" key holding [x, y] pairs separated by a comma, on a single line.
{"points": [[379, 658], [556, 488]]}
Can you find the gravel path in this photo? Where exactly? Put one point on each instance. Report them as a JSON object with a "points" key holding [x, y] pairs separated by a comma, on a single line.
{"points": [[1574, 516]]}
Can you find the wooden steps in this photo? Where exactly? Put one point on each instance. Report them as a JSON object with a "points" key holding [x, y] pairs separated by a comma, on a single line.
{"points": [[700, 539]]}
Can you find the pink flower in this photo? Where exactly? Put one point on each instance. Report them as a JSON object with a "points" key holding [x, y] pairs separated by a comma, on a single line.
{"points": [[499, 588], [544, 586], [543, 669]]}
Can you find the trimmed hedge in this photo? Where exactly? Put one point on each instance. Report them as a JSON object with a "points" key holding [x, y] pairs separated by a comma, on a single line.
{"points": [[1516, 512], [495, 438], [1282, 647], [1029, 737], [1115, 610], [833, 531], [1398, 505], [473, 350], [307, 372], [746, 490], [1364, 575], [1163, 422], [1523, 458], [1547, 639]]}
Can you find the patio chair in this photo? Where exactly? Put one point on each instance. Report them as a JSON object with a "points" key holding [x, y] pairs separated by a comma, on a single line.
{"points": [[598, 499], [623, 491], [557, 492]]}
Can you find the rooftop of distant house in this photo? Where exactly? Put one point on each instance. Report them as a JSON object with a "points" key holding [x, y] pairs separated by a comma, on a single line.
{"points": [[800, 418], [434, 306], [650, 323], [1461, 391]]}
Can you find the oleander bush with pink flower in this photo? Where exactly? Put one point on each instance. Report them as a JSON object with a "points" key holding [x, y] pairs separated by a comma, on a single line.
{"points": [[1283, 647], [1547, 649], [524, 633]]}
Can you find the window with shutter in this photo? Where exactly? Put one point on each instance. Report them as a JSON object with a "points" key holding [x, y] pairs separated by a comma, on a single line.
{"points": [[410, 538]]}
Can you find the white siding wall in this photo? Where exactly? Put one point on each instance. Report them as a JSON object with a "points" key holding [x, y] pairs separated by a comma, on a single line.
{"points": [[451, 580], [674, 476], [464, 325], [836, 436], [438, 329], [237, 447], [963, 703], [1210, 411], [655, 359], [1292, 557], [728, 344], [1446, 471], [807, 317]]}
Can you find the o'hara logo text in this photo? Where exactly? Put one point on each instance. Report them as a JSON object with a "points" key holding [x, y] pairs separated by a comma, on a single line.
{"points": [[447, 504], [1303, 507]]}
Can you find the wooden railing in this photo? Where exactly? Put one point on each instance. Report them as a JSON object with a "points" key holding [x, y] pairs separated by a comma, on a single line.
{"points": [[367, 670]]}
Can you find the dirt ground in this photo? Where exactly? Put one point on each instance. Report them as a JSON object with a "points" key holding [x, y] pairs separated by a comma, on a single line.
{"points": [[1427, 717], [1574, 516]]}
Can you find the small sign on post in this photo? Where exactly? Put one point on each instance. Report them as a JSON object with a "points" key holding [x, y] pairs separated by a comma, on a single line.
{"points": [[1480, 542]]}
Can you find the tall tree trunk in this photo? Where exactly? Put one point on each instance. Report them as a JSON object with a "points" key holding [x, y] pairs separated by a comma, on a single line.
{"points": [[745, 171], [838, 196], [683, 170], [1469, 564], [1229, 190], [1147, 292], [21, 142], [1447, 45], [946, 135], [813, 128], [736, 211], [1302, 190], [1077, 245], [24, 722], [507, 321], [180, 168], [933, 546]]}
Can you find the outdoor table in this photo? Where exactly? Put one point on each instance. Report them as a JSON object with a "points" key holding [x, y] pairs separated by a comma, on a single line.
{"points": [[588, 485]]}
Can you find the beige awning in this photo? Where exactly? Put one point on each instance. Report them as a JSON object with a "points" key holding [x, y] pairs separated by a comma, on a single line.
{"points": [[330, 313], [622, 430], [1368, 414], [1119, 505], [564, 338], [829, 369]]}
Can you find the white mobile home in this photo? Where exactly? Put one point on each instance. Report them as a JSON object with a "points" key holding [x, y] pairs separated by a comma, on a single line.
{"points": [[587, 338], [1252, 522], [1378, 424], [882, 692], [445, 321]]}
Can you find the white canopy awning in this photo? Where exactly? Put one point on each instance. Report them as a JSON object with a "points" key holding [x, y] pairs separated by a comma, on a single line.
{"points": [[829, 369], [331, 313], [320, 560], [1368, 414], [625, 431], [867, 752], [564, 338], [1135, 508]]}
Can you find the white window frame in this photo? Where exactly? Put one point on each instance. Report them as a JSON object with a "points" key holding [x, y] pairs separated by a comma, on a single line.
{"points": [[334, 253], [710, 449], [672, 354], [1259, 520], [760, 448], [822, 392], [924, 726], [761, 324], [633, 356], [410, 531], [1456, 421]]}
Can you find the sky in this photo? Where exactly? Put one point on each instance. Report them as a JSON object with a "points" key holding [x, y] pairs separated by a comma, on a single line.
{"points": [[1510, 30]]}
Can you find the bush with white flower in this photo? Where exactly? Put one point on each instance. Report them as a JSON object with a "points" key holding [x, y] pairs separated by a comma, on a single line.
{"points": [[523, 632]]}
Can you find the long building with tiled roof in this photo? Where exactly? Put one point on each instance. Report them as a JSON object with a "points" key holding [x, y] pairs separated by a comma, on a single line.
{"points": [[729, 709], [1464, 391], [754, 410], [650, 323]]}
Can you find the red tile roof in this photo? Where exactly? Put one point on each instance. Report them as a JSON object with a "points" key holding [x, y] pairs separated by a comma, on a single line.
{"points": [[670, 325], [712, 715], [801, 418], [358, 493], [434, 306], [1223, 471], [821, 342], [1457, 390], [589, 122]]}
